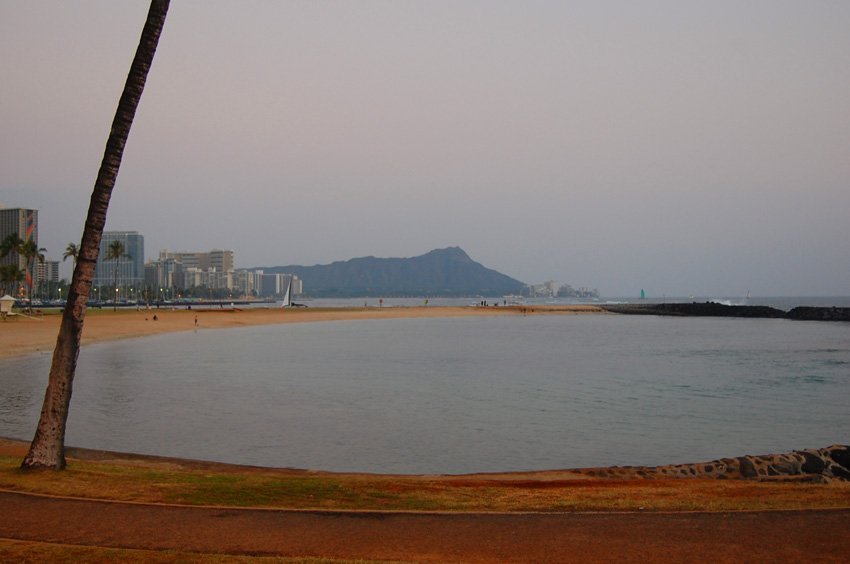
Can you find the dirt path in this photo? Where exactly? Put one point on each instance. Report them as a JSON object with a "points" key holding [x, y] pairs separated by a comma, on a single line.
{"points": [[813, 536]]}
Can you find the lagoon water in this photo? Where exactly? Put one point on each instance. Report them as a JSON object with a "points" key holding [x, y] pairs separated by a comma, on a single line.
{"points": [[456, 395]]}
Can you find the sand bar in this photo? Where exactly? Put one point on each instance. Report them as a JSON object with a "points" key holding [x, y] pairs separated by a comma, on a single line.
{"points": [[23, 335]]}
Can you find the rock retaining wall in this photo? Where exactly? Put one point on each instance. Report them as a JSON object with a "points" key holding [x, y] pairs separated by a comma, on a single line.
{"points": [[814, 465]]}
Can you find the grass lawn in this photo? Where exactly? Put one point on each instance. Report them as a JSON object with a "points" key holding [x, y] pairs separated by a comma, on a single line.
{"points": [[162, 481]]}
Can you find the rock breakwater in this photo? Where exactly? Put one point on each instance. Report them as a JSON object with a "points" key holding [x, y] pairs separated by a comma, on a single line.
{"points": [[810, 465], [713, 309], [820, 313]]}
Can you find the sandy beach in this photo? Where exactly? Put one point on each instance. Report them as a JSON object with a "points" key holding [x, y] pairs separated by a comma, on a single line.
{"points": [[24, 335]]}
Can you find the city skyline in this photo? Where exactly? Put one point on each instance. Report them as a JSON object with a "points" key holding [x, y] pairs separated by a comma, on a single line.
{"points": [[126, 271], [688, 148], [131, 272]]}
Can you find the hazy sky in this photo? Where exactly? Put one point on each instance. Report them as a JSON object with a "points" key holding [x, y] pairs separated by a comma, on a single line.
{"points": [[688, 148]]}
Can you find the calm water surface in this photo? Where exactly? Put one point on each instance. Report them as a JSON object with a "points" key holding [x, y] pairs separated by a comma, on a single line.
{"points": [[456, 395]]}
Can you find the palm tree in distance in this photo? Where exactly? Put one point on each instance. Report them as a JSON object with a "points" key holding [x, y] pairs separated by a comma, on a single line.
{"points": [[10, 276], [47, 449], [11, 244], [32, 253], [115, 252], [11, 273], [29, 251], [72, 251]]}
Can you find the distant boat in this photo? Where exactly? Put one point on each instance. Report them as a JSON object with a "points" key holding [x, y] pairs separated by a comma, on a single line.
{"points": [[287, 299]]}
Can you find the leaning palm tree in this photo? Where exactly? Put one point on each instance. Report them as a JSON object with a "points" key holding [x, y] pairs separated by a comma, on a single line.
{"points": [[47, 449], [115, 252]]}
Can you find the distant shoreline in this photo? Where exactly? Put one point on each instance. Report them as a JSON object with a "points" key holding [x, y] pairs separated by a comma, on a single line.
{"points": [[24, 335]]}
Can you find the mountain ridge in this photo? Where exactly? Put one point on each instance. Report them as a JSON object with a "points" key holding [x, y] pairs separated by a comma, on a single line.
{"points": [[441, 272]]}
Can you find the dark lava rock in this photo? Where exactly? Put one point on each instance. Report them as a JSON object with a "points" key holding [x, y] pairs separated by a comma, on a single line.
{"points": [[694, 309], [713, 309], [748, 469], [820, 313], [840, 456], [813, 464]]}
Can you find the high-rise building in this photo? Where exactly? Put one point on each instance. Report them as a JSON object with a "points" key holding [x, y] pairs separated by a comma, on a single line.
{"points": [[212, 269], [164, 273], [47, 271], [243, 282], [270, 285], [221, 260], [47, 274], [127, 272], [23, 223], [218, 259]]}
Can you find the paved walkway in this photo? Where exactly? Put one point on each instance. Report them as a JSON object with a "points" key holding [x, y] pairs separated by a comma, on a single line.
{"points": [[810, 536]]}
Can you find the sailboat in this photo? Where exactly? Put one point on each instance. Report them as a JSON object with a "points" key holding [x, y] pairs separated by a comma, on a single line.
{"points": [[287, 298]]}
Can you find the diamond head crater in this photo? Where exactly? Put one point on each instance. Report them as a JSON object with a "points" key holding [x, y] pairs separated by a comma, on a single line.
{"points": [[442, 272]]}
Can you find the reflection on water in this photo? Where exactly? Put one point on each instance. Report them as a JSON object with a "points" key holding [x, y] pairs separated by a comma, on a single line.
{"points": [[456, 395]]}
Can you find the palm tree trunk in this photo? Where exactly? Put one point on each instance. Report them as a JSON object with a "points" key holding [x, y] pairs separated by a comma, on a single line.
{"points": [[47, 449], [28, 284]]}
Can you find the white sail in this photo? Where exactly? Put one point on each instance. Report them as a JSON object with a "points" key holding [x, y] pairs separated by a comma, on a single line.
{"points": [[287, 300]]}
